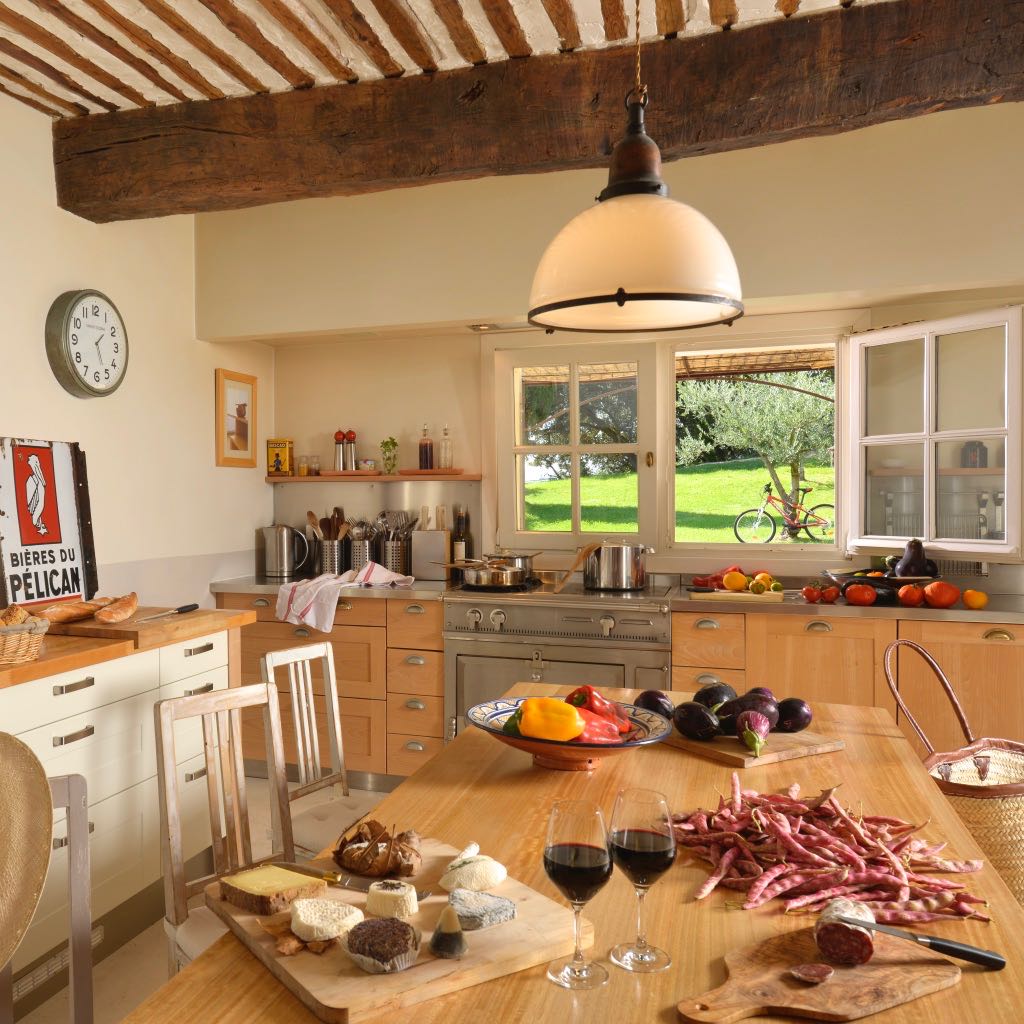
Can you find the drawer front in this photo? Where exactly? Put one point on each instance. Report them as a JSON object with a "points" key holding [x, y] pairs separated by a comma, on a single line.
{"points": [[824, 626], [408, 753], [416, 672], [414, 713], [114, 747], [708, 639], [415, 624], [365, 611], [190, 657], [993, 634], [691, 678], [188, 734], [34, 704], [193, 805], [124, 856]]}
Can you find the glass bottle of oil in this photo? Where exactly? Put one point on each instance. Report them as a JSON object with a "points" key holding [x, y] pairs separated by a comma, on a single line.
{"points": [[426, 450], [444, 454]]}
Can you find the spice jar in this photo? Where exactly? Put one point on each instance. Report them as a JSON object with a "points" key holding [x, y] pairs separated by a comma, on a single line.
{"points": [[303, 465]]}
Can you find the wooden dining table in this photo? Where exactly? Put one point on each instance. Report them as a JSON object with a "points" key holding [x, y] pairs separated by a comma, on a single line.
{"points": [[480, 790]]}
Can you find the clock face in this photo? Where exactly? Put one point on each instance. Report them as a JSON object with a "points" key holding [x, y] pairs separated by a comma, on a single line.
{"points": [[87, 344]]}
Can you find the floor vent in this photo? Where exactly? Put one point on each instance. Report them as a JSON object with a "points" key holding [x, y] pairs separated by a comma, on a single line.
{"points": [[50, 968]]}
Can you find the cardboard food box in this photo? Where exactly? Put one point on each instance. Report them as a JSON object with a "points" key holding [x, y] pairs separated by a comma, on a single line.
{"points": [[280, 456]]}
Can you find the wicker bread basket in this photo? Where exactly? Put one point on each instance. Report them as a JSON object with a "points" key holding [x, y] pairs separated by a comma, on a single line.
{"points": [[22, 643], [984, 781]]}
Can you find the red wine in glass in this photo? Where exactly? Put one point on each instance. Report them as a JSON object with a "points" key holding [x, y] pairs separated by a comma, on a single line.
{"points": [[643, 854], [578, 869]]}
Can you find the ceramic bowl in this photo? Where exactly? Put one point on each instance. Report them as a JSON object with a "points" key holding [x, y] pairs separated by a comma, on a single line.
{"points": [[490, 716]]}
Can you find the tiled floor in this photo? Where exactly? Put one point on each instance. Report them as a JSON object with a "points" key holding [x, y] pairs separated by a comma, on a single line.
{"points": [[128, 976]]}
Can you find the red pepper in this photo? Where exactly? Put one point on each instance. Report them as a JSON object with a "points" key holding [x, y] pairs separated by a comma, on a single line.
{"points": [[589, 698], [598, 729]]}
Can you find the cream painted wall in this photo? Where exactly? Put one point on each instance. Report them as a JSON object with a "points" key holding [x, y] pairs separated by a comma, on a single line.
{"points": [[165, 518], [919, 206]]}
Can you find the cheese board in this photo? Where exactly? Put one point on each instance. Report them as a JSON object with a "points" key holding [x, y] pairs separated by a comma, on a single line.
{"points": [[337, 991], [759, 982], [781, 746]]}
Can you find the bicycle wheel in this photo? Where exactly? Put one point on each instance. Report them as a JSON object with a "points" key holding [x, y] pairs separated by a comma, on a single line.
{"points": [[818, 531], [755, 526]]}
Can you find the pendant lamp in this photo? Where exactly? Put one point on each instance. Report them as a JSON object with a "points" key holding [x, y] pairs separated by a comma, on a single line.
{"points": [[638, 260]]}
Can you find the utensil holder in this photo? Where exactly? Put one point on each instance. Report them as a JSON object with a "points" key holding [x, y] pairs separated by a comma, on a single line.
{"points": [[395, 556], [362, 552], [333, 555]]}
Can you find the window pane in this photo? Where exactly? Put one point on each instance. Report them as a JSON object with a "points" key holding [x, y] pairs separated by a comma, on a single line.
{"points": [[970, 389], [894, 490], [608, 494], [608, 412], [546, 488], [970, 489], [895, 388], [542, 405]]}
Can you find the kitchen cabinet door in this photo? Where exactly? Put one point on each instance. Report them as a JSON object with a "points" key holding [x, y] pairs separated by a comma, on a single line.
{"points": [[831, 659], [984, 663]]}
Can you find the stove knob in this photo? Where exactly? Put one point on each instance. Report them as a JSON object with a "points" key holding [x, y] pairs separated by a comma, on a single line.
{"points": [[607, 624], [497, 618], [473, 617]]}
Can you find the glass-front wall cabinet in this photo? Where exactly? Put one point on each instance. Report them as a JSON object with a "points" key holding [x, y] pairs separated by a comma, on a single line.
{"points": [[936, 435]]}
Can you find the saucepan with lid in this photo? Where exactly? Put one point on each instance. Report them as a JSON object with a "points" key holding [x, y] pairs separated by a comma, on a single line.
{"points": [[513, 558]]}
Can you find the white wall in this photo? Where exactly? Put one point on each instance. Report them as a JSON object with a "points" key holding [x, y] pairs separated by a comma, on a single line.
{"points": [[165, 518]]}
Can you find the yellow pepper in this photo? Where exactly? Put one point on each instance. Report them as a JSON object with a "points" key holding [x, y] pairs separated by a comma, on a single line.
{"points": [[549, 718]]}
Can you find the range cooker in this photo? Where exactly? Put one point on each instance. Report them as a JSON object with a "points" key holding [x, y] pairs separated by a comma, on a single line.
{"points": [[608, 639]]}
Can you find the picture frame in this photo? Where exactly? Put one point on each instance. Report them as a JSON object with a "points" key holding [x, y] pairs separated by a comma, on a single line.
{"points": [[235, 419]]}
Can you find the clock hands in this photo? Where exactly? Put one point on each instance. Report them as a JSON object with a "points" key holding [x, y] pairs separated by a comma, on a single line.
{"points": [[103, 334]]}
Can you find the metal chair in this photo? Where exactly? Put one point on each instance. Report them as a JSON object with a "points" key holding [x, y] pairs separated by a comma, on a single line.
{"points": [[189, 934]]}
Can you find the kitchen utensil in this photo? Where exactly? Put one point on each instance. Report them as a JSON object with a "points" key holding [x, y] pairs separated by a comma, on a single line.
{"points": [[361, 554], [524, 562], [314, 525], [484, 574], [759, 982], [394, 556], [282, 547], [325, 528], [581, 556], [613, 566], [333, 557], [781, 746], [170, 611], [355, 883], [430, 550], [948, 947]]}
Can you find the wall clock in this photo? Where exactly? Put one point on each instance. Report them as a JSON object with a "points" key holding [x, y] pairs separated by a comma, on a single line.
{"points": [[86, 343]]}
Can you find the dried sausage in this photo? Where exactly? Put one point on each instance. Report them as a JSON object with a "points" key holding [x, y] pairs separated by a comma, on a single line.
{"points": [[843, 943], [813, 974]]}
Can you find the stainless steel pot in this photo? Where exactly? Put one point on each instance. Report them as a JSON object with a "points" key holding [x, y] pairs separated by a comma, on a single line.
{"points": [[524, 562], [616, 567], [487, 574]]}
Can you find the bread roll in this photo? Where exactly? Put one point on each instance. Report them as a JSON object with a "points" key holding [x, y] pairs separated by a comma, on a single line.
{"points": [[14, 615]]}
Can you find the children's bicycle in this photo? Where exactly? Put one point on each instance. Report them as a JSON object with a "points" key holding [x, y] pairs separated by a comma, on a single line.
{"points": [[759, 526]]}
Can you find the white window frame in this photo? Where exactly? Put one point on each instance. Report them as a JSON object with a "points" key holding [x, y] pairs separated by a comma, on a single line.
{"points": [[1007, 549]]}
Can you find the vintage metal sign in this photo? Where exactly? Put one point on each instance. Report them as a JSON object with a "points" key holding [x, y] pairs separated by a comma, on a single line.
{"points": [[46, 544]]}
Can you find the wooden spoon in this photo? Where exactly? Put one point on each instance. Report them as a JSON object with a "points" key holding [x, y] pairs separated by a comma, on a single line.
{"points": [[583, 555], [325, 528], [314, 526]]}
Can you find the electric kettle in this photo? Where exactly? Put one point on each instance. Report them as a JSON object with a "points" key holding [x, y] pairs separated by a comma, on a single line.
{"points": [[286, 551]]}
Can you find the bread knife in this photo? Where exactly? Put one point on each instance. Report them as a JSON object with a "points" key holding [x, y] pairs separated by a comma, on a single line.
{"points": [[950, 947], [170, 611]]}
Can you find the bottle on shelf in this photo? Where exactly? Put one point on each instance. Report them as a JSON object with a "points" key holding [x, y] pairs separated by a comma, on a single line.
{"points": [[444, 455], [426, 450], [462, 542]]}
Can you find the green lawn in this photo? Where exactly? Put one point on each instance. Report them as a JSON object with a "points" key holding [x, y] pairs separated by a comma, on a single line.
{"points": [[708, 499]]}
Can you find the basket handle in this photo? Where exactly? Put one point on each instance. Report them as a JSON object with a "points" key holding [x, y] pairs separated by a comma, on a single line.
{"points": [[890, 653]]}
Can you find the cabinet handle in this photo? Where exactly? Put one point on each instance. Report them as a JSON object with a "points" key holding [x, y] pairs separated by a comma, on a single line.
{"points": [[414, 609], [199, 689], [302, 631], [817, 626], [415, 659], [59, 844], [82, 684], [706, 624], [706, 678], [415, 705], [200, 773], [73, 737], [998, 634], [416, 746], [191, 652], [261, 602]]}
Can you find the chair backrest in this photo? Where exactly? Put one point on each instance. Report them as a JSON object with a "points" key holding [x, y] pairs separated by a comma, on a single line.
{"points": [[314, 774], [221, 712]]}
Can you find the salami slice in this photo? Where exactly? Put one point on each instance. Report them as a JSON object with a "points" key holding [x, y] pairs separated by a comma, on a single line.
{"points": [[813, 974], [844, 943]]}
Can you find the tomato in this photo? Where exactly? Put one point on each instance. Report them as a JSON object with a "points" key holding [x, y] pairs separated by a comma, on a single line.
{"points": [[812, 595], [731, 568], [829, 595], [911, 596], [941, 595], [860, 594]]}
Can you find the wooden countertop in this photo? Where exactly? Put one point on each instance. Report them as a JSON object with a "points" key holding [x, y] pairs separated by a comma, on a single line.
{"points": [[479, 790], [64, 654], [171, 630]]}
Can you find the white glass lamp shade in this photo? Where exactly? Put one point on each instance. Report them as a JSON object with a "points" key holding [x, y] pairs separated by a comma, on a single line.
{"points": [[636, 263]]}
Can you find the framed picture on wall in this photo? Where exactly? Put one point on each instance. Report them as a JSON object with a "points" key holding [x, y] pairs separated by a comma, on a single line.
{"points": [[236, 419]]}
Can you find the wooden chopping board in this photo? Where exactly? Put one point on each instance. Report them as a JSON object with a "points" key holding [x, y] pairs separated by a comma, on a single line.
{"points": [[739, 595], [759, 982], [167, 630], [337, 991], [781, 746]]}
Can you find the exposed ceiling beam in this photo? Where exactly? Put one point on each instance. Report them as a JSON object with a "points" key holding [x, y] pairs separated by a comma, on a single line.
{"points": [[407, 31], [772, 82], [309, 39], [723, 13], [49, 98], [670, 16], [29, 102], [30, 60], [506, 27], [463, 37], [614, 15], [359, 30], [563, 17]]}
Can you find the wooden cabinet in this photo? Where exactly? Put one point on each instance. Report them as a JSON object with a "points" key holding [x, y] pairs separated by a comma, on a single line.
{"points": [[708, 640], [984, 663], [824, 658], [415, 624], [690, 678]]}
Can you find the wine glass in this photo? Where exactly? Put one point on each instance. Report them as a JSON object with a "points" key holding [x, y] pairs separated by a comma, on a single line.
{"points": [[644, 848], [577, 860]]}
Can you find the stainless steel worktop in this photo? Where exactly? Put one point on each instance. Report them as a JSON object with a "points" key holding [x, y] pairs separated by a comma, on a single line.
{"points": [[421, 590]]}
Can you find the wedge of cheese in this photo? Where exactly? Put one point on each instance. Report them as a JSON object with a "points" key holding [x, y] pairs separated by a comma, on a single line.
{"points": [[318, 920], [269, 889]]}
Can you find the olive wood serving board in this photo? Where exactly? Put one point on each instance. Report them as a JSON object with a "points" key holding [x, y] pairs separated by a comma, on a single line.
{"points": [[337, 991], [759, 982], [781, 746]]}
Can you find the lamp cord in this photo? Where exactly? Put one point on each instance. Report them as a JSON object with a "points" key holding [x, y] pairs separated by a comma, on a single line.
{"points": [[639, 89]]}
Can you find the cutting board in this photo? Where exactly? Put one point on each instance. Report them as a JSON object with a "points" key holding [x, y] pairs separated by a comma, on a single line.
{"points": [[781, 746], [143, 635], [334, 989], [740, 595], [759, 982]]}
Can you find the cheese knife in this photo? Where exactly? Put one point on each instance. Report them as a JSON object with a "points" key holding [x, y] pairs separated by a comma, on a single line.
{"points": [[949, 947], [357, 883], [170, 611]]}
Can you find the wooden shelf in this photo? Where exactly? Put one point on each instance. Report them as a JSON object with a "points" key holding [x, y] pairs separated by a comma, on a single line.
{"points": [[964, 471], [396, 479]]}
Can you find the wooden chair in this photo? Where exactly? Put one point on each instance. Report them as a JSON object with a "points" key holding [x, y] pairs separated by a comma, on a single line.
{"points": [[189, 934], [320, 825], [69, 791]]}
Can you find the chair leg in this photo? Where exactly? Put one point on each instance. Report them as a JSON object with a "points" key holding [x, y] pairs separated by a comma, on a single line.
{"points": [[7, 993]]}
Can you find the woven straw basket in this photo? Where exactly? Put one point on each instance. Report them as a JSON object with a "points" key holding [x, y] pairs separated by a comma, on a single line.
{"points": [[984, 781], [19, 644]]}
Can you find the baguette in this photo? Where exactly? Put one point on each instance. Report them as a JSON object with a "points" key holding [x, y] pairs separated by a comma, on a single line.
{"points": [[119, 610], [74, 611]]}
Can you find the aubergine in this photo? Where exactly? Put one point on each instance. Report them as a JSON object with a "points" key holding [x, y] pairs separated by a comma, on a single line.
{"points": [[794, 715], [731, 710], [656, 701], [914, 561], [696, 721], [763, 690], [714, 694], [886, 597]]}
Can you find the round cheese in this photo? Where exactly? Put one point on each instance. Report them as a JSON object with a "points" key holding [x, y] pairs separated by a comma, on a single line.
{"points": [[474, 873], [391, 898]]}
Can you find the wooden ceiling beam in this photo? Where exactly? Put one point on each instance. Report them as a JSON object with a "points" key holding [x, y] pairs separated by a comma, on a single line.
{"points": [[502, 17], [359, 30], [30, 60], [614, 14], [821, 74], [174, 21], [563, 17], [723, 13], [405, 29], [463, 37], [29, 102], [35, 33], [670, 16], [316, 46], [52, 100]]}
